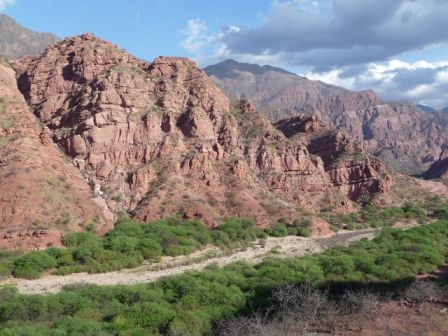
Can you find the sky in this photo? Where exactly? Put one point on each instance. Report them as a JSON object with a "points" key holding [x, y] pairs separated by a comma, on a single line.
{"points": [[398, 48]]}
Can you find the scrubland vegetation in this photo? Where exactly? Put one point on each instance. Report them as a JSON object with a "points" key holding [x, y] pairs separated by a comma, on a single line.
{"points": [[196, 303], [131, 243]]}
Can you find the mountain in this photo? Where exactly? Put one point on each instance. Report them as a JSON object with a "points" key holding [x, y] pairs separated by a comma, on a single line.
{"points": [[42, 195], [154, 139], [405, 137], [425, 108], [273, 89], [17, 41], [445, 109]]}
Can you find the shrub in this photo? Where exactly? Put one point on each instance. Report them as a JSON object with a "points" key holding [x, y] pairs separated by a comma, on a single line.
{"points": [[292, 231], [441, 212], [278, 230], [421, 290], [82, 239], [193, 302], [305, 232], [150, 249], [32, 264], [121, 243], [413, 210], [303, 222]]}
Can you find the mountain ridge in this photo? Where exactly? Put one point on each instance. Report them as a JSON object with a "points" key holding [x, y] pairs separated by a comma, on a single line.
{"points": [[17, 41], [155, 139], [383, 128]]}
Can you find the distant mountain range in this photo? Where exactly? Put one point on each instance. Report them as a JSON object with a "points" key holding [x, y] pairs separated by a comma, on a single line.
{"points": [[273, 89], [406, 136], [17, 41], [426, 108]]}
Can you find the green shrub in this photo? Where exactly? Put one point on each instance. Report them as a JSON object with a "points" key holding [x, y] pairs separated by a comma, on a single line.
{"points": [[303, 222], [82, 240], [305, 232], [149, 249], [292, 231], [441, 212], [277, 230], [193, 302], [413, 210], [32, 264], [121, 243]]}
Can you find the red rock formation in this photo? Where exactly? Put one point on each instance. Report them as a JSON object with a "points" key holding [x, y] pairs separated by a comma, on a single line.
{"points": [[400, 134], [349, 168], [159, 138], [39, 189]]}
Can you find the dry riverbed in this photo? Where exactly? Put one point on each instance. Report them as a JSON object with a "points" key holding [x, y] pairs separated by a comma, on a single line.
{"points": [[285, 247]]}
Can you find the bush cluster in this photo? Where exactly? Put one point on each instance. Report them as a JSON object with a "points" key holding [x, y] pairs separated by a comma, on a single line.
{"points": [[129, 244], [191, 303], [376, 217]]}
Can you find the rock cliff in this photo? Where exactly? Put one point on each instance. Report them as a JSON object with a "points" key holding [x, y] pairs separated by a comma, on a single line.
{"points": [[154, 139], [405, 137], [42, 195]]}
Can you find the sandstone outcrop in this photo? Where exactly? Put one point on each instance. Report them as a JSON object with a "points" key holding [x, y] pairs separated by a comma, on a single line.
{"points": [[355, 173], [400, 134], [41, 193], [154, 139]]}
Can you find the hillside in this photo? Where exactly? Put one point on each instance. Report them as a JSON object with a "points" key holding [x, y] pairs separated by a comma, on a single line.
{"points": [[157, 139], [274, 90], [42, 196], [383, 129], [17, 41]]}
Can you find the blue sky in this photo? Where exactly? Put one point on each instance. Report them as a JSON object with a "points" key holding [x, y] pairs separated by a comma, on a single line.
{"points": [[147, 28], [396, 47]]}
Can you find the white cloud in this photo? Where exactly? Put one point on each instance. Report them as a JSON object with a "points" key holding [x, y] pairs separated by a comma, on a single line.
{"points": [[5, 3], [421, 82], [195, 36], [328, 34]]}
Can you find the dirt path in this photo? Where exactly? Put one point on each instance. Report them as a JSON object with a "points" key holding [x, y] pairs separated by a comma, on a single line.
{"points": [[287, 246]]}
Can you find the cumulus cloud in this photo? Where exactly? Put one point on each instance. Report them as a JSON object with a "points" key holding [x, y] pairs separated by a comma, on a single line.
{"points": [[5, 3], [195, 36], [334, 33], [420, 82], [352, 43]]}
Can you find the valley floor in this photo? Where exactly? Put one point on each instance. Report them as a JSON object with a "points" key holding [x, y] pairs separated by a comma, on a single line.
{"points": [[285, 246]]}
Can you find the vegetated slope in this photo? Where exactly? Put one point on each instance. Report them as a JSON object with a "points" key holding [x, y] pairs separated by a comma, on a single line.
{"points": [[39, 189], [401, 134], [17, 41], [154, 139], [192, 303]]}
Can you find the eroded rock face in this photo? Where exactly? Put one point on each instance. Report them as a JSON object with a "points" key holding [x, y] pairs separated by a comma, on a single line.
{"points": [[154, 139], [349, 168], [39, 189], [400, 134], [438, 169]]}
